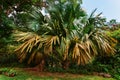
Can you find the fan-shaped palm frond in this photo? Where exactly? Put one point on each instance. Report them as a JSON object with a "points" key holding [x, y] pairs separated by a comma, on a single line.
{"points": [[105, 44], [35, 46], [50, 43], [32, 45]]}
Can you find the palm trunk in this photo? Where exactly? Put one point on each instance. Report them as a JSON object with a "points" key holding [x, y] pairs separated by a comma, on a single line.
{"points": [[41, 66]]}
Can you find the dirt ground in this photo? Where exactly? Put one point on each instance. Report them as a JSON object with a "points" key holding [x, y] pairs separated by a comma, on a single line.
{"points": [[51, 74], [34, 71]]}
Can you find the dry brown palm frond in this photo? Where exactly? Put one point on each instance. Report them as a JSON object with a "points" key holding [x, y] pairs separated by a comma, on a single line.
{"points": [[108, 50], [81, 53], [109, 44], [22, 56], [104, 44], [86, 48], [28, 45], [50, 42], [32, 56], [32, 45], [65, 52], [76, 51], [22, 36]]}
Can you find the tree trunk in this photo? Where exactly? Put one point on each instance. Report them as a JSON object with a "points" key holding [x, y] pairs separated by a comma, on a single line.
{"points": [[41, 66]]}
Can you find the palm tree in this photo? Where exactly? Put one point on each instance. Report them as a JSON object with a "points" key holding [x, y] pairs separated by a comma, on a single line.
{"points": [[61, 35]]}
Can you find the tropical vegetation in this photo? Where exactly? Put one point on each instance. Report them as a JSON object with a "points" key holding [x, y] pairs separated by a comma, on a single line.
{"points": [[58, 35]]}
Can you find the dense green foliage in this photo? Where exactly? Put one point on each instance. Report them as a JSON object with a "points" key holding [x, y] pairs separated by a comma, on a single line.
{"points": [[115, 60]]}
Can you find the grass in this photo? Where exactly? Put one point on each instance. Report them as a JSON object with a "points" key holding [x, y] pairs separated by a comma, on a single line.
{"points": [[23, 75], [28, 77]]}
